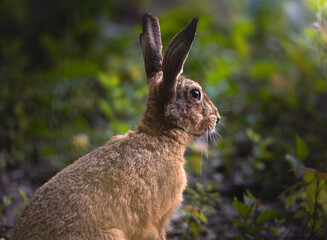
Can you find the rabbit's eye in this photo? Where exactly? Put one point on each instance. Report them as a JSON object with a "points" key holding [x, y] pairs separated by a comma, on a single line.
{"points": [[195, 94]]}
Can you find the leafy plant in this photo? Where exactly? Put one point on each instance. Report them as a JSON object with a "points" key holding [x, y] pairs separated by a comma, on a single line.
{"points": [[203, 202], [7, 201], [196, 221], [253, 222], [260, 153], [296, 161], [309, 198]]}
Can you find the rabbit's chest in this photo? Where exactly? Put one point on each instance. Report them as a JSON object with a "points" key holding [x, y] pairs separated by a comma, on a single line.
{"points": [[172, 181]]}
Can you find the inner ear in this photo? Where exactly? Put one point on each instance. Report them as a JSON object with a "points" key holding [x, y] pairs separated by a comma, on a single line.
{"points": [[175, 57]]}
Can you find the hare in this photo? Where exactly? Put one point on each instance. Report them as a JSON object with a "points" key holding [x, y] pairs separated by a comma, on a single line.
{"points": [[128, 188]]}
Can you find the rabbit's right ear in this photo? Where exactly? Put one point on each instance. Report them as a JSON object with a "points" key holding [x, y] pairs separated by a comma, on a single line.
{"points": [[175, 57], [151, 45]]}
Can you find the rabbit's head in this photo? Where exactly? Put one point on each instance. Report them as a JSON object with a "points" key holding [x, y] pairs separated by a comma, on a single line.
{"points": [[174, 102]]}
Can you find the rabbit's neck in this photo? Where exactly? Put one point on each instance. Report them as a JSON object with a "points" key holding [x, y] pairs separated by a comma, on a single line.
{"points": [[174, 134]]}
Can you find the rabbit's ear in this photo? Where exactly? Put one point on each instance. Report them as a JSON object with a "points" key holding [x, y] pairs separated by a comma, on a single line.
{"points": [[176, 55], [151, 44]]}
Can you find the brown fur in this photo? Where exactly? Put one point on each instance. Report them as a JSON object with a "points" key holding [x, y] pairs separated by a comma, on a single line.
{"points": [[129, 188]]}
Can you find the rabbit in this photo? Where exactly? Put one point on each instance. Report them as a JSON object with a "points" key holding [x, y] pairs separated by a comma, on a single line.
{"points": [[129, 188]]}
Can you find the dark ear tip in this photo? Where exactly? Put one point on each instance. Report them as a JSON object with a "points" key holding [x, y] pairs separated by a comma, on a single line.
{"points": [[148, 18], [149, 15], [195, 19], [194, 22], [191, 28]]}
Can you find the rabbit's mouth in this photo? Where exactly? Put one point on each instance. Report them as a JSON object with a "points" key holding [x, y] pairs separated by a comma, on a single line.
{"points": [[214, 121], [211, 128]]}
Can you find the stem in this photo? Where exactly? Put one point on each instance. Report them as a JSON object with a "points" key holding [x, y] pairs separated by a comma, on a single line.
{"points": [[312, 233]]}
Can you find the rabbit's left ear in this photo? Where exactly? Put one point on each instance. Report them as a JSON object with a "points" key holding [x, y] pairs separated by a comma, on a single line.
{"points": [[151, 45], [175, 57]]}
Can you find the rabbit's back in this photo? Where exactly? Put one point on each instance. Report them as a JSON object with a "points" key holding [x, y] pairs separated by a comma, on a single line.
{"points": [[130, 184]]}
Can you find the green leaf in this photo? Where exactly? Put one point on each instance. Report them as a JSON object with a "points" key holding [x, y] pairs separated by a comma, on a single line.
{"points": [[242, 29], [301, 148], [293, 161], [238, 222], [322, 199], [309, 177], [270, 214], [299, 215], [250, 196], [17, 212], [119, 127], [7, 200], [263, 69], [291, 199], [274, 230], [220, 70], [252, 135], [251, 201], [243, 209], [105, 107], [200, 187], [202, 217], [109, 82], [195, 228], [23, 195], [191, 191], [215, 196]]}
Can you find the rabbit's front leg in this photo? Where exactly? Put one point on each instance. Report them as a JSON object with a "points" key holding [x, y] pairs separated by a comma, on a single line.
{"points": [[113, 234], [151, 233], [164, 222]]}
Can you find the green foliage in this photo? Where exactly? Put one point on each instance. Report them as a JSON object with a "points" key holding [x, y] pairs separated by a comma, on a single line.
{"points": [[84, 75], [203, 202], [301, 154], [52, 89], [7, 201], [203, 196], [309, 198], [195, 220], [23, 196], [301, 148], [254, 223], [268, 90]]}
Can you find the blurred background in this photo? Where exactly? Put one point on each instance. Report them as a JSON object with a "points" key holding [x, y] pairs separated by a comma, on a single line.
{"points": [[72, 76]]}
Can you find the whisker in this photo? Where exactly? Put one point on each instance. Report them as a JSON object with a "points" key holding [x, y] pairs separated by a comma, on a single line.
{"points": [[222, 124], [207, 143], [213, 136], [205, 139], [220, 136], [224, 110], [217, 133]]}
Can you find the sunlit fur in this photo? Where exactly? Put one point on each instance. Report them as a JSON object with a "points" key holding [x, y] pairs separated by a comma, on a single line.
{"points": [[128, 188]]}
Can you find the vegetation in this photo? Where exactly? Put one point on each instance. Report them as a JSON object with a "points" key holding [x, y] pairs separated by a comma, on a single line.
{"points": [[72, 76]]}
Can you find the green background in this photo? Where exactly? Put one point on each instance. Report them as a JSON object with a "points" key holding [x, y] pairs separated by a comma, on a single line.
{"points": [[72, 76]]}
